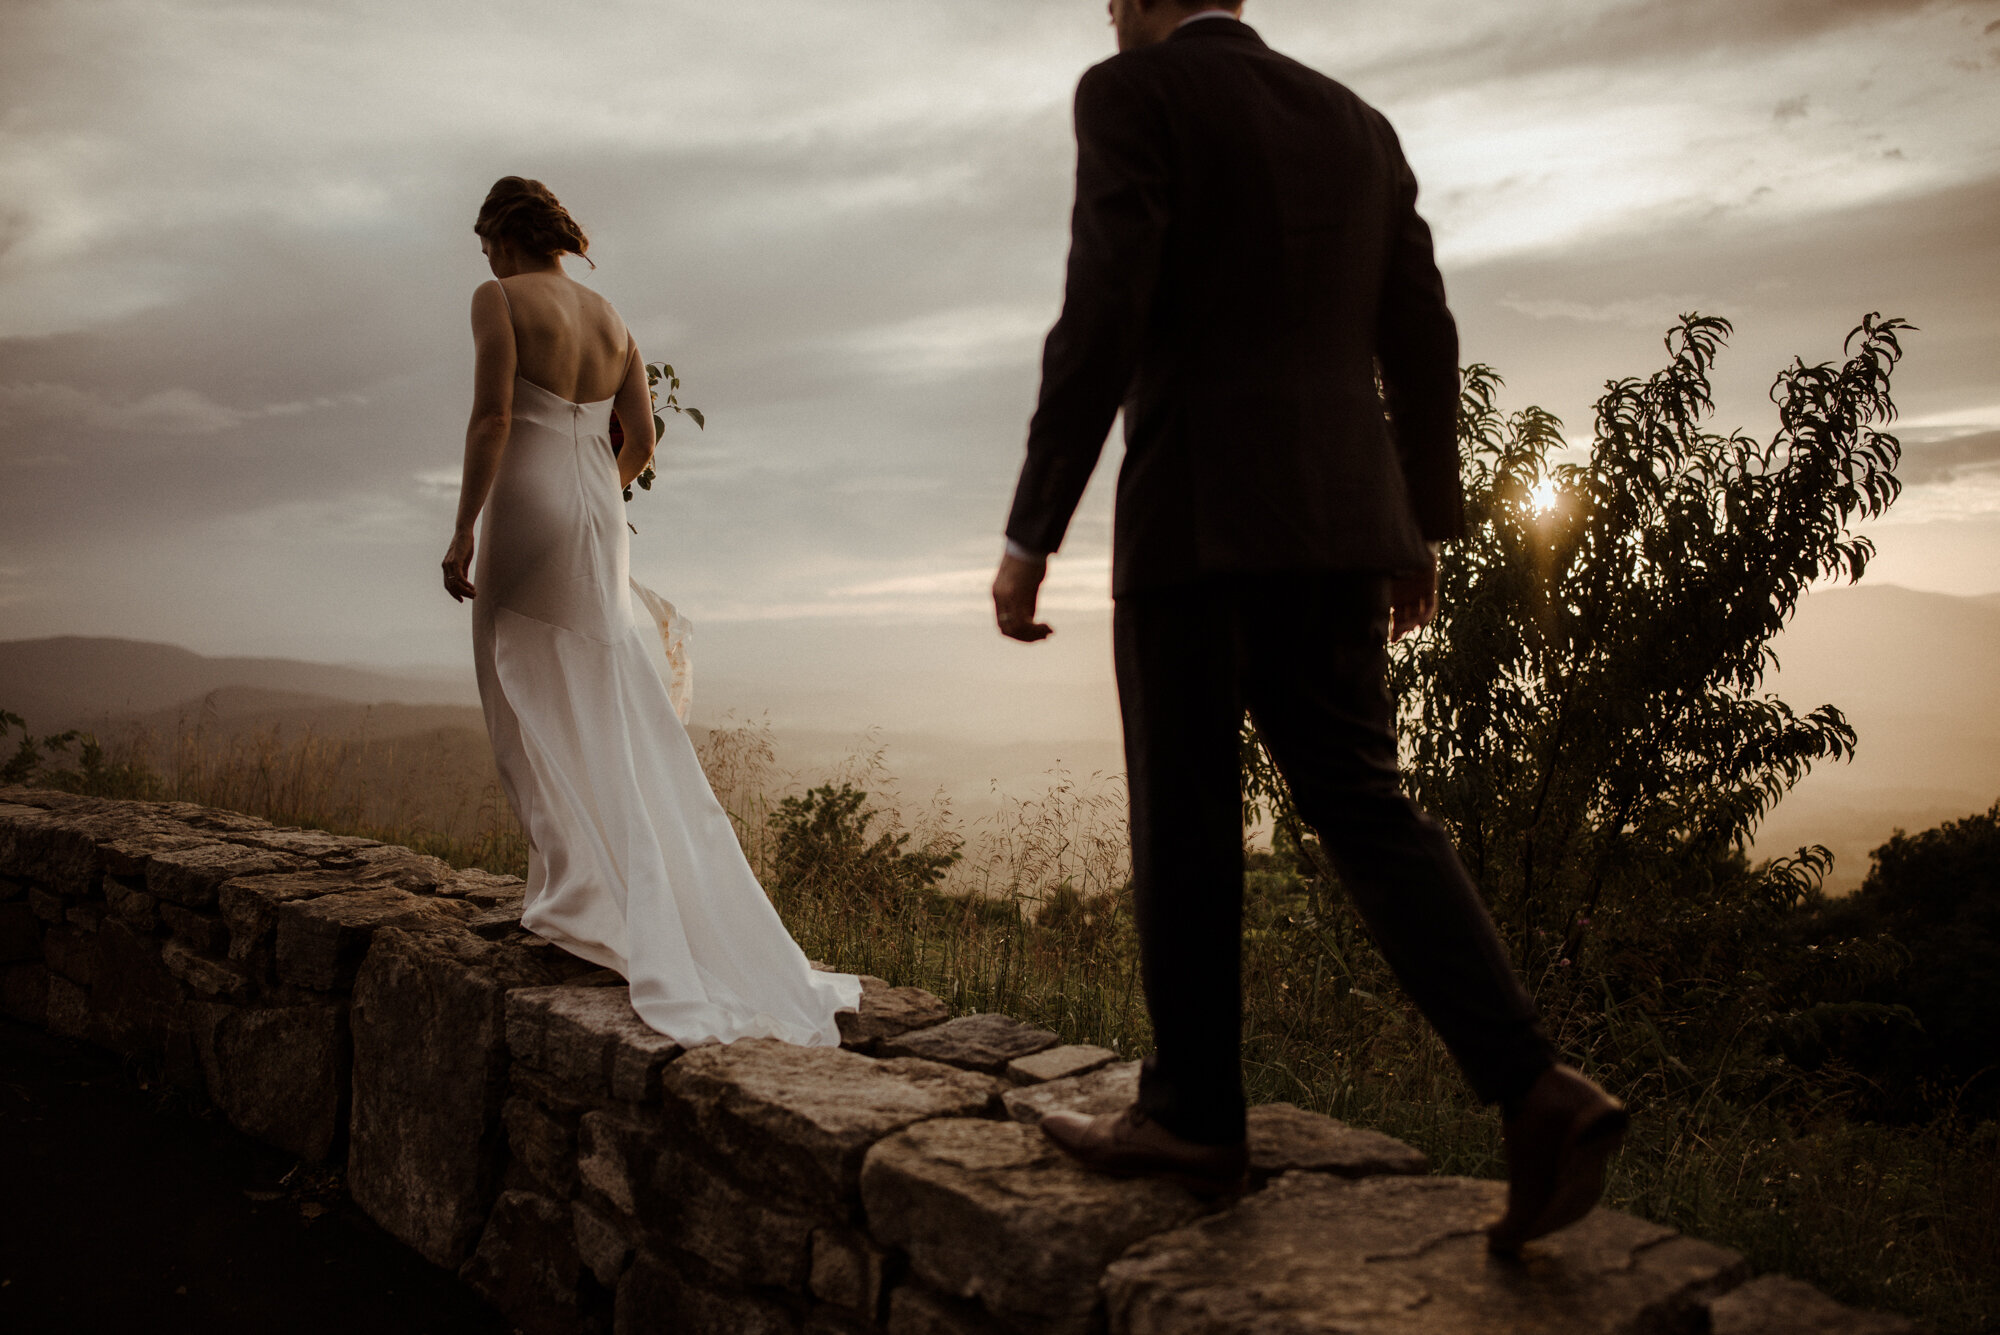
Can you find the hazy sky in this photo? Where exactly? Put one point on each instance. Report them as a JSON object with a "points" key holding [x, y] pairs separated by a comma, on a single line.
{"points": [[236, 259]]}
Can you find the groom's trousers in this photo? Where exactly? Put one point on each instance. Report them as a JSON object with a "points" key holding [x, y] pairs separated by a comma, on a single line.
{"points": [[1307, 656]]}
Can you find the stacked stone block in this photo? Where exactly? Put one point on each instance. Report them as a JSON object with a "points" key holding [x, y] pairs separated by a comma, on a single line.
{"points": [[498, 1106]]}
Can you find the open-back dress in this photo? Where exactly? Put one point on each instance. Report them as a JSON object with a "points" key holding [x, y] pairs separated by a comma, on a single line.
{"points": [[632, 862]]}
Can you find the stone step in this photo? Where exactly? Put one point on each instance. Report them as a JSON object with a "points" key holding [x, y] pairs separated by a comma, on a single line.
{"points": [[887, 1012], [589, 1039], [1407, 1256], [976, 1042], [992, 1211], [798, 1121]]}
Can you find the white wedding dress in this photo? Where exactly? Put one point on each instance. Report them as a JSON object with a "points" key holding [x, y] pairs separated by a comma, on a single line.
{"points": [[632, 862]]}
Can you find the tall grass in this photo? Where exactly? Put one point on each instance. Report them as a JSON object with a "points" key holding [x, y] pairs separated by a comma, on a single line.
{"points": [[1033, 919], [418, 791]]}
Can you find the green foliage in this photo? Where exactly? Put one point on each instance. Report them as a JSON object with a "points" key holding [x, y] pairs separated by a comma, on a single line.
{"points": [[821, 843], [95, 773], [660, 378], [1937, 896]]}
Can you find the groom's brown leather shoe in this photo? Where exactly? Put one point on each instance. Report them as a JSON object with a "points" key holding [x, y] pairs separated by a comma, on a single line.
{"points": [[1131, 1144], [1558, 1143]]}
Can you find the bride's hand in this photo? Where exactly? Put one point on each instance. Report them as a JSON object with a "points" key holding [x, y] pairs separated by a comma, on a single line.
{"points": [[458, 566]]}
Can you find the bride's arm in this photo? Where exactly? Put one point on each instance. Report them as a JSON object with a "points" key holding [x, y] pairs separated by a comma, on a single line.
{"points": [[486, 433], [634, 406]]}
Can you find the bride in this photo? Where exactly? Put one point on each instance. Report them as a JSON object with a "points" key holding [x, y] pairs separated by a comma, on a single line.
{"points": [[632, 863]]}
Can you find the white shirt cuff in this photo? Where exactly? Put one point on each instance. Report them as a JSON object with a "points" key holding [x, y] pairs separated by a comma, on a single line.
{"points": [[1020, 553]]}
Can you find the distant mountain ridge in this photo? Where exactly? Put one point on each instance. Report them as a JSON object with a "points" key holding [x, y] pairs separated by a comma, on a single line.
{"points": [[69, 679], [1914, 672]]}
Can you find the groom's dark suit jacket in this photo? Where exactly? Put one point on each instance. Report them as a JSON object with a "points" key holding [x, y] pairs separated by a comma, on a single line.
{"points": [[1245, 253]]}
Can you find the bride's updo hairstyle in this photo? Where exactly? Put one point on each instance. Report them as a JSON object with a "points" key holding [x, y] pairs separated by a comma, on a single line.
{"points": [[527, 216]]}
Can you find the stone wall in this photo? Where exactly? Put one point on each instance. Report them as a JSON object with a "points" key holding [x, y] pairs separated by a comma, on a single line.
{"points": [[498, 1107]]}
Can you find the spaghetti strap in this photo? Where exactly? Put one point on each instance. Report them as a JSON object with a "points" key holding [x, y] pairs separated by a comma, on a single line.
{"points": [[505, 302]]}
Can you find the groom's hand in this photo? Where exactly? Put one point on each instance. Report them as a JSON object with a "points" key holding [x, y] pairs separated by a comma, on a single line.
{"points": [[1014, 590], [1413, 598]]}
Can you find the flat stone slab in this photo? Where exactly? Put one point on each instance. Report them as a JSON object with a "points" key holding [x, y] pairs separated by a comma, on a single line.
{"points": [[1059, 1063], [190, 876], [214, 819], [314, 844], [500, 919], [589, 1039], [992, 1211], [1408, 1255], [396, 867], [249, 904], [798, 1120], [1284, 1137], [887, 1012], [1777, 1305], [321, 942], [484, 888], [128, 857], [975, 1042], [1104, 1090], [53, 847]]}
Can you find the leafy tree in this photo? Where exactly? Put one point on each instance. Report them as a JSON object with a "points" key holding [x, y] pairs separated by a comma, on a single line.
{"points": [[1587, 715], [25, 765], [95, 775], [821, 843]]}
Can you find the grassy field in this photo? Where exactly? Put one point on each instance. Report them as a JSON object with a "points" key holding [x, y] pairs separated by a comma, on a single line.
{"points": [[1029, 918]]}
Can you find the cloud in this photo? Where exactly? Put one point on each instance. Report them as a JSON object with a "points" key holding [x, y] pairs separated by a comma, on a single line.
{"points": [[950, 342], [1638, 312], [1790, 291], [170, 412], [1555, 34], [1929, 459]]}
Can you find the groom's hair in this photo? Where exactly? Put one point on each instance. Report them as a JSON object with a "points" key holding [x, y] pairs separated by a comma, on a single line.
{"points": [[526, 215]]}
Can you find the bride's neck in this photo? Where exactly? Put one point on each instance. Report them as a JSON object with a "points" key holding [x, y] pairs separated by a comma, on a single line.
{"points": [[517, 265]]}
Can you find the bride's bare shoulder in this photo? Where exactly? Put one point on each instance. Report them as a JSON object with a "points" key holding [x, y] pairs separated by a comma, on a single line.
{"points": [[490, 305], [602, 312]]}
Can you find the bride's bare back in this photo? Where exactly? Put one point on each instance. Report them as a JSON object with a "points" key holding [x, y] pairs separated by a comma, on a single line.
{"points": [[567, 339]]}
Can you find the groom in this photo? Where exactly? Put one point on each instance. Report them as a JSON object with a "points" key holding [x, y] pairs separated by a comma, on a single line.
{"points": [[1246, 260]]}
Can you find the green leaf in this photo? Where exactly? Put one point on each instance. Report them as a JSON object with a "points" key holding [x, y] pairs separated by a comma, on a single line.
{"points": [[699, 420]]}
